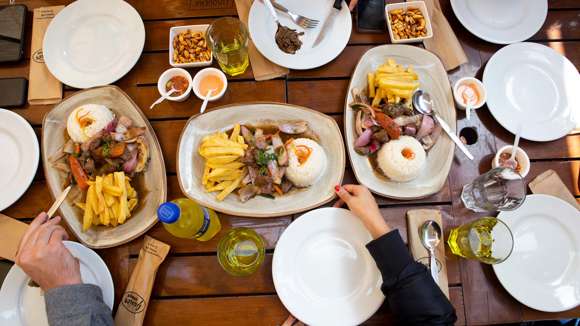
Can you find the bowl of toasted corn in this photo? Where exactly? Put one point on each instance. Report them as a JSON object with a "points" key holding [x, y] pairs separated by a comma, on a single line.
{"points": [[189, 47], [408, 22]]}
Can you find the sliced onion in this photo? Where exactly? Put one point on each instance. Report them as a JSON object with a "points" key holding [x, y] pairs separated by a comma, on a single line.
{"points": [[364, 139]]}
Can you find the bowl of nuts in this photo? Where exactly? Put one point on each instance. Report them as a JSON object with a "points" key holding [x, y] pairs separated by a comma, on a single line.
{"points": [[408, 22], [188, 46]]}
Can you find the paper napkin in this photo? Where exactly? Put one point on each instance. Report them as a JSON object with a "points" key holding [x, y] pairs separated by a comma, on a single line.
{"points": [[549, 183], [415, 219], [11, 231]]}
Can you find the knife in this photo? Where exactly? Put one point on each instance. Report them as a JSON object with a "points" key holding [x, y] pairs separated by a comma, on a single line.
{"points": [[58, 202], [334, 11]]}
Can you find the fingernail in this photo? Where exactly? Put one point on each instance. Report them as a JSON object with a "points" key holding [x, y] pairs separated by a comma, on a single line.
{"points": [[337, 188]]}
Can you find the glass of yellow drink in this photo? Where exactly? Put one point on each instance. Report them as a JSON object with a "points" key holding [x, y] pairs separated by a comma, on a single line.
{"points": [[228, 38], [241, 251], [487, 239]]}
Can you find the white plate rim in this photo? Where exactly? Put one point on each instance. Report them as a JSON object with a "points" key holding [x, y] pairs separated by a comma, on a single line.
{"points": [[297, 64], [15, 274], [106, 78], [458, 5], [509, 217], [496, 111], [9, 198], [304, 220]]}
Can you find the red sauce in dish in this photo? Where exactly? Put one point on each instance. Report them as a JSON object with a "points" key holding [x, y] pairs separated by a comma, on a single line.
{"points": [[180, 83], [503, 161]]}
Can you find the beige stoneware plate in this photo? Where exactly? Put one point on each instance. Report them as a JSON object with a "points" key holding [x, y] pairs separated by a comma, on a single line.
{"points": [[433, 79], [151, 186], [190, 163]]}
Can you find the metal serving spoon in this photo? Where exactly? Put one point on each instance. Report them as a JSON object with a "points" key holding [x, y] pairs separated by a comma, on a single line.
{"points": [[430, 237], [423, 103]]}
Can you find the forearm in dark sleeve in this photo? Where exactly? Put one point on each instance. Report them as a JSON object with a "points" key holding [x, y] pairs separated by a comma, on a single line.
{"points": [[77, 305], [411, 292]]}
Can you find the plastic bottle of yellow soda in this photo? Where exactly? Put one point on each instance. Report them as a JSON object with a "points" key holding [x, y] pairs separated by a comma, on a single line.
{"points": [[184, 218]]}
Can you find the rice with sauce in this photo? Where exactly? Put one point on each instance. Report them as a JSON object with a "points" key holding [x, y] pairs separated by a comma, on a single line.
{"points": [[402, 159], [307, 161]]}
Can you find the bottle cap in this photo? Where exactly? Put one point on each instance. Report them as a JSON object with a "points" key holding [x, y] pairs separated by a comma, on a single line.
{"points": [[168, 212]]}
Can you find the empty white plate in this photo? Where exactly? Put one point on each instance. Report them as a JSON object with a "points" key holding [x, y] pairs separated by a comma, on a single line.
{"points": [[532, 86], [322, 271], [262, 28], [501, 21], [93, 43], [542, 271], [22, 305], [20, 155]]}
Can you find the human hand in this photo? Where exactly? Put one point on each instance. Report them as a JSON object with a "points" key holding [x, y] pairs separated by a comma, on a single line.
{"points": [[43, 256], [362, 204], [352, 4]]}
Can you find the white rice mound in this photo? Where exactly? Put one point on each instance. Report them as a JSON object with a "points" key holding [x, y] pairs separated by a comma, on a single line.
{"points": [[307, 173], [99, 114], [398, 167]]}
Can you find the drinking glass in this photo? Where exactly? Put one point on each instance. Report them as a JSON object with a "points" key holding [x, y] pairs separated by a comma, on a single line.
{"points": [[228, 38], [500, 189], [241, 251], [487, 239]]}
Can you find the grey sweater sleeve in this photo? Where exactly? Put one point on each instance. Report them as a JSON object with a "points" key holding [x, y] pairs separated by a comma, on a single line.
{"points": [[77, 305]]}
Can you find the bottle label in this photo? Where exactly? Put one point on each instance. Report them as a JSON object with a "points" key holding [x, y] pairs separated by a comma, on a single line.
{"points": [[204, 225]]}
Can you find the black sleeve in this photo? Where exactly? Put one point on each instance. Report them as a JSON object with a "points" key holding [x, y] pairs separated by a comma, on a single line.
{"points": [[412, 294]]}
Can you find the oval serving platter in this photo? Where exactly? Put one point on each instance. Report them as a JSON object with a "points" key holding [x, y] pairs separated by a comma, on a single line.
{"points": [[433, 79], [190, 164], [151, 185]]}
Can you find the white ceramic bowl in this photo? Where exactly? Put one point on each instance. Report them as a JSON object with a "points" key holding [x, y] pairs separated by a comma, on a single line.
{"points": [[480, 88], [209, 71], [521, 156], [173, 31], [406, 5], [167, 75]]}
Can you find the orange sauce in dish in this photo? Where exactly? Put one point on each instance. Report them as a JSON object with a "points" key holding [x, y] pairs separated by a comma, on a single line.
{"points": [[210, 81], [180, 84], [468, 94]]}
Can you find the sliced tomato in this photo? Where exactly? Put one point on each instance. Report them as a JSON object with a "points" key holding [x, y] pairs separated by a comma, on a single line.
{"points": [[78, 173], [393, 130]]}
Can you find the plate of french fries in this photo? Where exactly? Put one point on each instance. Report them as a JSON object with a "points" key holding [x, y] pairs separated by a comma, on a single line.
{"points": [[210, 152], [391, 74], [116, 208]]}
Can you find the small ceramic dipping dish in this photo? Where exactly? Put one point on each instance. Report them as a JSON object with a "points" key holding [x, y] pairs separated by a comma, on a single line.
{"points": [[210, 78], [178, 78], [467, 88], [521, 157]]}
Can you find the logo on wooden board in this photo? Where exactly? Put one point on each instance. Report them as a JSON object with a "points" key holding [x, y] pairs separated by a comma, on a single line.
{"points": [[133, 302]]}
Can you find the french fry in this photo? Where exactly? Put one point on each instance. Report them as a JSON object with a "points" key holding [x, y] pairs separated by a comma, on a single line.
{"points": [[205, 176], [88, 214], [371, 83], [229, 189], [232, 165], [111, 190], [123, 209], [220, 142], [220, 151], [222, 159], [235, 133], [398, 84]]}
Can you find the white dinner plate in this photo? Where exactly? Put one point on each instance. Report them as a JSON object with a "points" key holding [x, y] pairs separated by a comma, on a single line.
{"points": [[262, 28], [322, 271], [93, 43], [532, 86], [501, 21], [20, 155], [542, 271], [22, 305]]}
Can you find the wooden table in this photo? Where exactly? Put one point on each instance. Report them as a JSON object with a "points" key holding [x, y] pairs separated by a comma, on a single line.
{"points": [[191, 288]]}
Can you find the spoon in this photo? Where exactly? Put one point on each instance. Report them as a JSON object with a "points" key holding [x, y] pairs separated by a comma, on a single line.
{"points": [[468, 111], [206, 100], [512, 160], [430, 237], [423, 104], [163, 97]]}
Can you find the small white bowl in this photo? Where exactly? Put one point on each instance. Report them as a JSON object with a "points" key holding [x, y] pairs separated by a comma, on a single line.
{"points": [[173, 31], [521, 156], [480, 88], [406, 5], [209, 71], [166, 76]]}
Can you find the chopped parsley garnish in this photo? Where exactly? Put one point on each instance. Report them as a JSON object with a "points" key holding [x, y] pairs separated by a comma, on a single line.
{"points": [[263, 158]]}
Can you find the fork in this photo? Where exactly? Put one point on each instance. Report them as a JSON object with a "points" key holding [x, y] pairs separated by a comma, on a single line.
{"points": [[299, 20]]}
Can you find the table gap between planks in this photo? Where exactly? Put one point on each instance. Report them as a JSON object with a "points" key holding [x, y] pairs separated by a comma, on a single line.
{"points": [[191, 288]]}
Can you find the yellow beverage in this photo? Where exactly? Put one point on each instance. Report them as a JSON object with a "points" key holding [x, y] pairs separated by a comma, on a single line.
{"points": [[184, 218], [228, 38], [241, 251], [487, 239]]}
